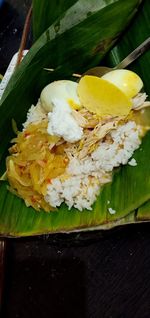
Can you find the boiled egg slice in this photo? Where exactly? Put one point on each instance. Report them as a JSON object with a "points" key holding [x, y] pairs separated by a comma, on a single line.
{"points": [[63, 90], [102, 97], [127, 81]]}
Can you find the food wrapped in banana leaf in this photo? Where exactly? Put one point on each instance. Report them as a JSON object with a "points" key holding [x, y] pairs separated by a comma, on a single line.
{"points": [[74, 138], [92, 150]]}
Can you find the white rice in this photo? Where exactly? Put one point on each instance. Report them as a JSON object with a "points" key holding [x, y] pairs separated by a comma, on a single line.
{"points": [[35, 114], [111, 211], [86, 176], [132, 162], [76, 191], [125, 141]]}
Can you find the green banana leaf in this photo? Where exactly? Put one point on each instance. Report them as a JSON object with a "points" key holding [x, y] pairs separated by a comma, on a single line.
{"points": [[71, 49], [47, 12], [143, 212]]}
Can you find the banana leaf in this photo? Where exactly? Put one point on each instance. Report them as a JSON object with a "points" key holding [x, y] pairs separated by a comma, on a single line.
{"points": [[71, 49], [47, 12], [143, 212]]}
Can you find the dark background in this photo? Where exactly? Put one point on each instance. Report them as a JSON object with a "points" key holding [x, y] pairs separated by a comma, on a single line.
{"points": [[95, 275]]}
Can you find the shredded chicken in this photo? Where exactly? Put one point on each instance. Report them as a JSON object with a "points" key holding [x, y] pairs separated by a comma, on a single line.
{"points": [[139, 101], [103, 130], [144, 105], [91, 119], [91, 138], [81, 120], [95, 129]]}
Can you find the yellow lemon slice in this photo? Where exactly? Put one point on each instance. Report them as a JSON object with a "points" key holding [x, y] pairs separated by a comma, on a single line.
{"points": [[102, 97]]}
